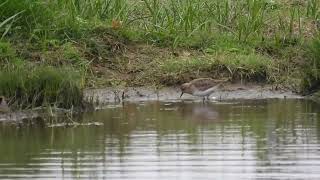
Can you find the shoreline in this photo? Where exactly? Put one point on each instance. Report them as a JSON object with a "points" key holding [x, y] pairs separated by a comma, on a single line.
{"points": [[133, 44], [229, 92], [99, 98]]}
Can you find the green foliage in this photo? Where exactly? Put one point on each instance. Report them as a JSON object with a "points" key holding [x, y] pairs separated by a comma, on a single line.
{"points": [[178, 23], [71, 53], [311, 67], [250, 22], [225, 43], [244, 66], [244, 38], [39, 19], [36, 17], [28, 85], [5, 24], [313, 9], [41, 86], [6, 51]]}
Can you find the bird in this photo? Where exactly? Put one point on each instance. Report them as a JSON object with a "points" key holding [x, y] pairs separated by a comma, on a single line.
{"points": [[4, 108], [202, 87]]}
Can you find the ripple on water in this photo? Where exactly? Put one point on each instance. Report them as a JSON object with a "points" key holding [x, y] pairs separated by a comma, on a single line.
{"points": [[160, 141]]}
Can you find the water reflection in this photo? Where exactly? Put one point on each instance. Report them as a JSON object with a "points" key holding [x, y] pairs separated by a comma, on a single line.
{"points": [[171, 140]]}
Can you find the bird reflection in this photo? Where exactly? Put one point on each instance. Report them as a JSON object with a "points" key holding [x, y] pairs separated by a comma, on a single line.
{"points": [[200, 113]]}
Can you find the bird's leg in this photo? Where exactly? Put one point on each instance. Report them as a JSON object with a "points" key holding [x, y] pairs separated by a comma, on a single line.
{"points": [[203, 99], [208, 97]]}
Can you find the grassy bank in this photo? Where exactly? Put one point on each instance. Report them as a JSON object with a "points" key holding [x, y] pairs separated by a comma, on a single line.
{"points": [[159, 42], [40, 86]]}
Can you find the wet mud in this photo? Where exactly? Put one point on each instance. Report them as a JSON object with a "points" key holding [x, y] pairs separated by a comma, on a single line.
{"points": [[107, 95], [100, 98]]}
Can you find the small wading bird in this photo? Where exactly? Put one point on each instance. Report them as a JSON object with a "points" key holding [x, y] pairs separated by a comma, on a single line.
{"points": [[202, 87], [4, 108]]}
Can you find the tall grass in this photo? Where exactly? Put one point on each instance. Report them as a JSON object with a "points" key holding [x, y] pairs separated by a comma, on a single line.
{"points": [[5, 24], [42, 86], [313, 9], [41, 19], [245, 20], [170, 21], [27, 84], [312, 66], [251, 21]]}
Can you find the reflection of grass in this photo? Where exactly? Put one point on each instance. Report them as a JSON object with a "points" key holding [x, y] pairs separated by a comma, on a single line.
{"points": [[260, 123], [252, 120]]}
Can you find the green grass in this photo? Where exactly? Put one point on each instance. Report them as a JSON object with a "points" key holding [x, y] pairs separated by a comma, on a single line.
{"points": [[269, 41], [6, 51], [312, 66], [232, 65], [169, 22], [41, 86], [29, 85]]}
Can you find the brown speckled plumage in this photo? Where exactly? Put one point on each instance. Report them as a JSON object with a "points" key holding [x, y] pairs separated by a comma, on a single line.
{"points": [[202, 87]]}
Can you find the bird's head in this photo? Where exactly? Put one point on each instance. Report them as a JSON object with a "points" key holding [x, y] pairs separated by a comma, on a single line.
{"points": [[185, 88]]}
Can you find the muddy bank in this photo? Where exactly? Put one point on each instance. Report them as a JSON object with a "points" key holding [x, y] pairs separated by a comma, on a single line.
{"points": [[101, 97], [315, 96], [229, 92]]}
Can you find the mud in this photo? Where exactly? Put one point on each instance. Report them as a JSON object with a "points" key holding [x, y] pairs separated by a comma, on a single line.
{"points": [[233, 91], [101, 97]]}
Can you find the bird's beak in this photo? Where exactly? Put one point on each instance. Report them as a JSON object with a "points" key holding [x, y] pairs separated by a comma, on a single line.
{"points": [[181, 94]]}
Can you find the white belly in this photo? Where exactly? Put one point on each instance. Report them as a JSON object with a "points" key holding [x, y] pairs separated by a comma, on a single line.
{"points": [[205, 92]]}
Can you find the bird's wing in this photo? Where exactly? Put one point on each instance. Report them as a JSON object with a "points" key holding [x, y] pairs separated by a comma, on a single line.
{"points": [[203, 83]]}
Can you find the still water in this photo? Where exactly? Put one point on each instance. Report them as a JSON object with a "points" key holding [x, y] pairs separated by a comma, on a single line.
{"points": [[265, 139]]}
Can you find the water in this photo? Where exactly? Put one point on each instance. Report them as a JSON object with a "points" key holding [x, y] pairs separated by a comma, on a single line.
{"points": [[269, 139]]}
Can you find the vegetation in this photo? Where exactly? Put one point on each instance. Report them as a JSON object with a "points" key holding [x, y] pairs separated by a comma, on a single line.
{"points": [[28, 84], [90, 43], [41, 86], [312, 66]]}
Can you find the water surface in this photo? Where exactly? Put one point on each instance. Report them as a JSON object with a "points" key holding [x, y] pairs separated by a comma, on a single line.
{"points": [[265, 139]]}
